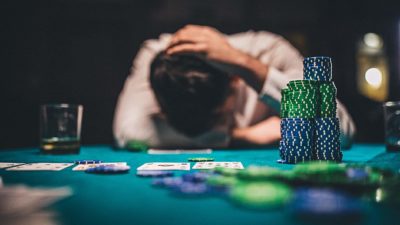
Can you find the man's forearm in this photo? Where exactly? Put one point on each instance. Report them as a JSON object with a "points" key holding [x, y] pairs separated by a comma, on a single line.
{"points": [[250, 69], [264, 132]]}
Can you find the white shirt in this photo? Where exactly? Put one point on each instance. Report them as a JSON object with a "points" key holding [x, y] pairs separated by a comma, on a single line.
{"points": [[136, 108]]}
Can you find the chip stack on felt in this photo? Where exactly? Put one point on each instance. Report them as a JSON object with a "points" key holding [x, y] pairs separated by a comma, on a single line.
{"points": [[309, 126]]}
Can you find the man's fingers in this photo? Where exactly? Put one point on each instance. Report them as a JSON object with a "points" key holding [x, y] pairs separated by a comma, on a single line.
{"points": [[185, 39], [190, 33], [185, 48], [186, 36], [191, 26]]}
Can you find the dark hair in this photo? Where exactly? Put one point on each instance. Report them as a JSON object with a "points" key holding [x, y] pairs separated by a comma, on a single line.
{"points": [[189, 91]]}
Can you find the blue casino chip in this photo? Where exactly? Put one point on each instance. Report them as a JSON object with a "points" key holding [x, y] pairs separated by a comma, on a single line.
{"points": [[327, 141], [297, 140], [195, 177], [87, 161], [167, 182], [282, 161], [317, 68], [191, 188], [322, 204], [356, 174], [108, 169], [282, 149], [154, 173]]}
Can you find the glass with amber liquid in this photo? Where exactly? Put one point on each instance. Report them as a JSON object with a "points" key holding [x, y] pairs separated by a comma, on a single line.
{"points": [[60, 128]]}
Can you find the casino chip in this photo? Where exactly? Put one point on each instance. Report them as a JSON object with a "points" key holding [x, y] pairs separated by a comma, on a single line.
{"points": [[200, 159], [226, 171], [309, 127], [297, 140], [190, 188], [281, 161], [154, 173], [260, 195], [222, 181], [195, 177], [108, 169], [91, 161], [135, 145], [320, 168], [356, 174], [264, 188], [325, 205], [260, 173], [317, 68], [168, 182]]}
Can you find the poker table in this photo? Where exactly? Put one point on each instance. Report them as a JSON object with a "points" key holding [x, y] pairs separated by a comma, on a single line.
{"points": [[128, 199]]}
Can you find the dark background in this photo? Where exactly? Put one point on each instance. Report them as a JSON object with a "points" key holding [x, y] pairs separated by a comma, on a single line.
{"points": [[81, 51]]}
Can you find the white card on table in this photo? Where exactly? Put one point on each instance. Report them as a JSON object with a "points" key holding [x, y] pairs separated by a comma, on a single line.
{"points": [[154, 151], [164, 166], [8, 164], [83, 167], [212, 165], [41, 166]]}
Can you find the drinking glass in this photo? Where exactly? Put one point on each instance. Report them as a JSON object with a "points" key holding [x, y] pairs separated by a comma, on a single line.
{"points": [[60, 128], [392, 125]]}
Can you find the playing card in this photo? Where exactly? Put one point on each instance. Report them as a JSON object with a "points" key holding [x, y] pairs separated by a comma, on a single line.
{"points": [[84, 167], [164, 166], [41, 166], [212, 165], [153, 151], [8, 164]]}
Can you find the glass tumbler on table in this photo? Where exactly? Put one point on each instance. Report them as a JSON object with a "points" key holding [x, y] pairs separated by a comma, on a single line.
{"points": [[392, 125], [60, 128]]}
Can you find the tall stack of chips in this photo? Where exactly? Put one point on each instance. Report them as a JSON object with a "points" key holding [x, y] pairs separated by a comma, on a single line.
{"points": [[309, 126]]}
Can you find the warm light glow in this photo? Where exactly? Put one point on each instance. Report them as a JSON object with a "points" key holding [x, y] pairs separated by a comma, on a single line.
{"points": [[373, 76], [373, 40]]}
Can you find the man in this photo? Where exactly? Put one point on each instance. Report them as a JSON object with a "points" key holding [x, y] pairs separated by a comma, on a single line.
{"points": [[200, 88]]}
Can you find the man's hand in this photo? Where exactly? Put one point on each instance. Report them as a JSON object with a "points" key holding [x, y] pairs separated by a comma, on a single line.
{"points": [[205, 40], [211, 44]]}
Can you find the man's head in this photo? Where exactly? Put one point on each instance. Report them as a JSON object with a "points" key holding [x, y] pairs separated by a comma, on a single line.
{"points": [[191, 93]]}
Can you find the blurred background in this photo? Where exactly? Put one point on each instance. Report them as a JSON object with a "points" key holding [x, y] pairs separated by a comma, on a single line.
{"points": [[80, 51]]}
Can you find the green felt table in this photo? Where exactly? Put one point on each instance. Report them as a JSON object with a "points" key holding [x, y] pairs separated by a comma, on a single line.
{"points": [[127, 199]]}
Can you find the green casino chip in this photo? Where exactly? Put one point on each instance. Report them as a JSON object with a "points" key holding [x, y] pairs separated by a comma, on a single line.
{"points": [[302, 84], [260, 173], [377, 176], [222, 181], [320, 171], [135, 145], [226, 171], [284, 102], [260, 195]]}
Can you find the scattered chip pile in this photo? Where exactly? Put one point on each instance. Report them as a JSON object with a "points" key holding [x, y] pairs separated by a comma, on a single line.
{"points": [[309, 126], [321, 190]]}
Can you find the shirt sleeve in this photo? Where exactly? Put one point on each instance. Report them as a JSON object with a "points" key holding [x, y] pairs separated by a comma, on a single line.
{"points": [[136, 103], [285, 63]]}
